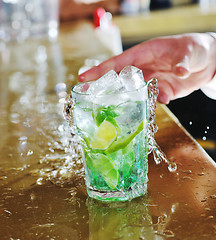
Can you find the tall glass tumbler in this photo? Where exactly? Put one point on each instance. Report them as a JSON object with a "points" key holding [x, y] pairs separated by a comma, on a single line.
{"points": [[113, 131]]}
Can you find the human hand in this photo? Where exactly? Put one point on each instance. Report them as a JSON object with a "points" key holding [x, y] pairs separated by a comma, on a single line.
{"points": [[181, 63]]}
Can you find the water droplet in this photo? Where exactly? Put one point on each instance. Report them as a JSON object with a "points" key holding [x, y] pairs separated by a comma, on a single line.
{"points": [[173, 208], [190, 123], [15, 118], [3, 177], [165, 233], [201, 174], [204, 199], [39, 181], [30, 152], [172, 167], [51, 150], [32, 196], [7, 211], [204, 138], [187, 178], [213, 196], [23, 138], [187, 171]]}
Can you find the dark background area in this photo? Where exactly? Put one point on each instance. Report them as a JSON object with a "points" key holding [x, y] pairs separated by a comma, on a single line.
{"points": [[197, 113]]}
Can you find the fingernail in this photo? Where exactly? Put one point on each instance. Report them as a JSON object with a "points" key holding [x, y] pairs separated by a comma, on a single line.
{"points": [[81, 78]]}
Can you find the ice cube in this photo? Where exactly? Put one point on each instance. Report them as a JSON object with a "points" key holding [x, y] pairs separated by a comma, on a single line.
{"points": [[107, 84], [132, 78], [114, 89]]}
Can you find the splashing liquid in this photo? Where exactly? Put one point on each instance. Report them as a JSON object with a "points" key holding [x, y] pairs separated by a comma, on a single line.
{"points": [[158, 154], [154, 148]]}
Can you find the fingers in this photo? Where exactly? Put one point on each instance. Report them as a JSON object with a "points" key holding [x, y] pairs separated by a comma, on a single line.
{"points": [[163, 97], [137, 56], [166, 88], [115, 63], [92, 74], [96, 72]]}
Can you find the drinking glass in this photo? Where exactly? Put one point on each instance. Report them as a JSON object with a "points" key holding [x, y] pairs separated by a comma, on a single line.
{"points": [[113, 131]]}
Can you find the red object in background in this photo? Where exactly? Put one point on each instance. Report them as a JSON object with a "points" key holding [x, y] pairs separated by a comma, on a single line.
{"points": [[98, 14]]}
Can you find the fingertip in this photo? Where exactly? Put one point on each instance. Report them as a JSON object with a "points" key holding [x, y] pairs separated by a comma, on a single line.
{"points": [[81, 78], [163, 98]]}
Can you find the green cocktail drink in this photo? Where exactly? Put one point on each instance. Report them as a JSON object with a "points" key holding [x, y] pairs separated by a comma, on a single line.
{"points": [[112, 123]]}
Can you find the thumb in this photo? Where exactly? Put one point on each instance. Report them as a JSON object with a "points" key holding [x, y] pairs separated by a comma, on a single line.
{"points": [[181, 68]]}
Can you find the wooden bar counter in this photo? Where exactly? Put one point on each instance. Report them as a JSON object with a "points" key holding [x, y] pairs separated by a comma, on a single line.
{"points": [[41, 174]]}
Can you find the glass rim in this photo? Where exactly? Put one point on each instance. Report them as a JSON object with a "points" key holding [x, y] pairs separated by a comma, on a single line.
{"points": [[107, 94]]}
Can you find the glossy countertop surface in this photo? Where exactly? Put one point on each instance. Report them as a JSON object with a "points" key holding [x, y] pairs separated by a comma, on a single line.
{"points": [[42, 191]]}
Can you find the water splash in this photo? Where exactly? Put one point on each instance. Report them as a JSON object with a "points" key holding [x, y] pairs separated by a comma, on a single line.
{"points": [[165, 233], [154, 148], [68, 111], [158, 154]]}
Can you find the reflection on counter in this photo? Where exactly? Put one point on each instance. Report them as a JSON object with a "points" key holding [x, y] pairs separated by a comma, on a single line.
{"points": [[125, 220]]}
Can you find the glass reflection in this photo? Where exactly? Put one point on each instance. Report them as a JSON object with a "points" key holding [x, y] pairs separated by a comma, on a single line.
{"points": [[120, 220]]}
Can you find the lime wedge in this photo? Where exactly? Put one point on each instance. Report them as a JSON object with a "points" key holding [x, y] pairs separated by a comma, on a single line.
{"points": [[106, 168], [119, 144], [105, 134]]}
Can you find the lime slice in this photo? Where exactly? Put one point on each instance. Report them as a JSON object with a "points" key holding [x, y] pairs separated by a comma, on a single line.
{"points": [[119, 144], [106, 168], [105, 135]]}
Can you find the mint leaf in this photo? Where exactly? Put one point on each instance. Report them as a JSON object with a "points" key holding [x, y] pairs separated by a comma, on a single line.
{"points": [[102, 113]]}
